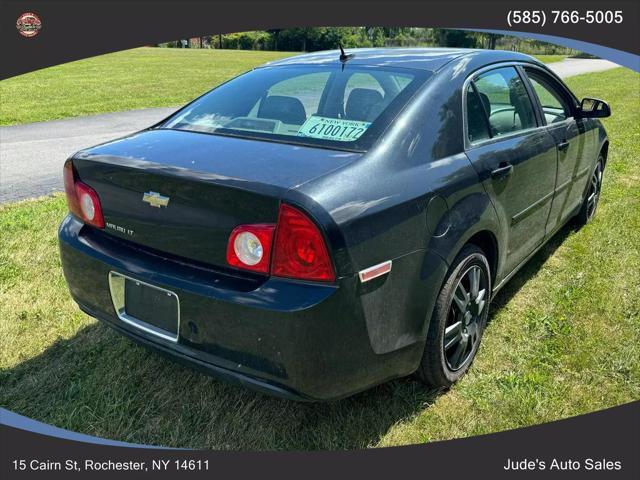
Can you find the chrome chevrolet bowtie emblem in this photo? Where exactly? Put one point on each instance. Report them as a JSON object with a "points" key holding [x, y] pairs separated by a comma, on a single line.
{"points": [[155, 199]]}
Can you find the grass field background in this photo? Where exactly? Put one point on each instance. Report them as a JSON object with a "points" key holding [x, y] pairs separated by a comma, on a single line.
{"points": [[138, 78], [563, 339]]}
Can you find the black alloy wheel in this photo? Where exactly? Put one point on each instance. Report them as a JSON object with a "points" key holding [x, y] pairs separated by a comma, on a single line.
{"points": [[458, 320]]}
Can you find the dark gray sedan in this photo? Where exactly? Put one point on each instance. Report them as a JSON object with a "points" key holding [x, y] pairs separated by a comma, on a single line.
{"points": [[331, 221]]}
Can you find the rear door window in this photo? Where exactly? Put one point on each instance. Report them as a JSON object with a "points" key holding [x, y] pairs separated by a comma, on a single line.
{"points": [[509, 108]]}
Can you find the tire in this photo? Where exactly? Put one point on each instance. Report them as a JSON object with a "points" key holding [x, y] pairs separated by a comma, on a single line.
{"points": [[591, 199], [442, 365]]}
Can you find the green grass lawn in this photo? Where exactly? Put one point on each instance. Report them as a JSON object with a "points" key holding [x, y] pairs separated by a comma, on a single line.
{"points": [[564, 339], [139, 78]]}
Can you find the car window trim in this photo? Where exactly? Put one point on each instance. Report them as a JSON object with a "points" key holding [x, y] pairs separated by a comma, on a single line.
{"points": [[533, 97]]}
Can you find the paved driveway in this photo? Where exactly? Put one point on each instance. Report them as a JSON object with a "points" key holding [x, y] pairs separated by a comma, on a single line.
{"points": [[31, 156], [577, 66]]}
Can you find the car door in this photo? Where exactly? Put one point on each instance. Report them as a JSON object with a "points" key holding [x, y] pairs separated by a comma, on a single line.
{"points": [[556, 106], [515, 158]]}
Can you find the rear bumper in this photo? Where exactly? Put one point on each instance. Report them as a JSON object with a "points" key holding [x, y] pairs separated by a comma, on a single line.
{"points": [[291, 339], [191, 361]]}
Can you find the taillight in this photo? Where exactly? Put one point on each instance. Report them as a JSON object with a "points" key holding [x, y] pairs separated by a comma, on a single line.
{"points": [[82, 200], [299, 250], [249, 247], [70, 189], [89, 205]]}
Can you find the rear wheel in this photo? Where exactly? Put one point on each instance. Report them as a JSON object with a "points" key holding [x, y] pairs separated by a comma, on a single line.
{"points": [[590, 203], [458, 321]]}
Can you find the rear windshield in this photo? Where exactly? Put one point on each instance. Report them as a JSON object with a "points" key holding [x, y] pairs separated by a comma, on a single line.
{"points": [[330, 106]]}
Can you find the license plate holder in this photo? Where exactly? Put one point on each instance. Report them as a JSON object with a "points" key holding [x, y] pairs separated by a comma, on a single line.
{"points": [[147, 307]]}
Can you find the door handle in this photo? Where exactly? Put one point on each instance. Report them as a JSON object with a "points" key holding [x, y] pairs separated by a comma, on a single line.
{"points": [[563, 146], [504, 170]]}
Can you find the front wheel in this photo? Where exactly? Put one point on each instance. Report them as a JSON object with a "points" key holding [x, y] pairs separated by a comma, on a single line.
{"points": [[458, 320], [590, 203]]}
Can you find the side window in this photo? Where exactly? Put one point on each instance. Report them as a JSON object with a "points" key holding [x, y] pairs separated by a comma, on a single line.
{"points": [[554, 105], [477, 127], [510, 108]]}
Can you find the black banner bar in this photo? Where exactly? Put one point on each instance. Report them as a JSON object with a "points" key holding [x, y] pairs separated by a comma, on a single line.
{"points": [[80, 29]]}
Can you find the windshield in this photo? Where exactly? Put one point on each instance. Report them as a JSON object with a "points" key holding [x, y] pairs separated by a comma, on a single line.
{"points": [[330, 106]]}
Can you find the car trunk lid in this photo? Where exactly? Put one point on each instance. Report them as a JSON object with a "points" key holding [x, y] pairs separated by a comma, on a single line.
{"points": [[182, 193]]}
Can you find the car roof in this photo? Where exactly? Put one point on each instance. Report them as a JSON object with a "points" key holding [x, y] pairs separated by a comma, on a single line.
{"points": [[431, 59]]}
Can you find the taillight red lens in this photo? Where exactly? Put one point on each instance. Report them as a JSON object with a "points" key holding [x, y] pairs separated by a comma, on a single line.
{"points": [[300, 250], [249, 247], [70, 189], [83, 201]]}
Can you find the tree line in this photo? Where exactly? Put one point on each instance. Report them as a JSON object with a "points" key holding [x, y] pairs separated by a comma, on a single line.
{"points": [[326, 38]]}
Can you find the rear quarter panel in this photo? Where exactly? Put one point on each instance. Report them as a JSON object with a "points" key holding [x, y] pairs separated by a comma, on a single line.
{"points": [[414, 199]]}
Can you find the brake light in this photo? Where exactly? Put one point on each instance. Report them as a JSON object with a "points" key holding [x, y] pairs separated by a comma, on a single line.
{"points": [[249, 247], [82, 200], [299, 250], [70, 189]]}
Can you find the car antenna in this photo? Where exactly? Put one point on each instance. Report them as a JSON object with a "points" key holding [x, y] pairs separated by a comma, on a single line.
{"points": [[344, 57]]}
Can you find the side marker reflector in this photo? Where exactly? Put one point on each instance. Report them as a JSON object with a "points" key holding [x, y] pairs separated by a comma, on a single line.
{"points": [[375, 271]]}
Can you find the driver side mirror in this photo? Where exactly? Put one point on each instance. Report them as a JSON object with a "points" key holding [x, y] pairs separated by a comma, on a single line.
{"points": [[594, 108]]}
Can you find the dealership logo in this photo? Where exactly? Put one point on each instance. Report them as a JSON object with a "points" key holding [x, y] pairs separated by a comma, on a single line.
{"points": [[28, 24]]}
